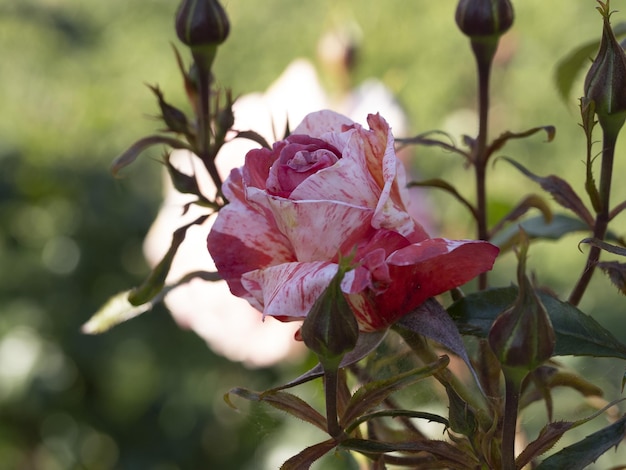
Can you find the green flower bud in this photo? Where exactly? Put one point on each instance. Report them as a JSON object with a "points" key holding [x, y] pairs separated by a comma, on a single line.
{"points": [[522, 336], [201, 23], [330, 329], [605, 82], [484, 17]]}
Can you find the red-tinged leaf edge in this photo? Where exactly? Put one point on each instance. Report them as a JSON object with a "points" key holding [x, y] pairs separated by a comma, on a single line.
{"points": [[580, 455], [552, 433], [282, 401], [370, 395], [306, 458], [447, 187], [440, 449], [577, 334], [499, 142], [430, 417], [560, 190], [131, 154]]}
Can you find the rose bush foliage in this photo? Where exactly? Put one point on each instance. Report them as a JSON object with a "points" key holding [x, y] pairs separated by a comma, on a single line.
{"points": [[330, 189]]}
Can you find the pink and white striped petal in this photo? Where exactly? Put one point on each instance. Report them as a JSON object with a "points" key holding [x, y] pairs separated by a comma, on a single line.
{"points": [[289, 290]]}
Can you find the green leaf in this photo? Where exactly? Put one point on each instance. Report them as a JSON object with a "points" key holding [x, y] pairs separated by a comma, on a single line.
{"points": [[131, 154], [116, 310], [430, 417], [578, 456], [578, 59], [306, 458], [372, 394], [551, 434], [282, 401], [537, 227], [577, 334], [156, 281]]}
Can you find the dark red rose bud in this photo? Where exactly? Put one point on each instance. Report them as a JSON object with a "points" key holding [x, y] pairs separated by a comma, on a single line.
{"points": [[484, 17], [201, 23], [605, 82], [522, 336]]}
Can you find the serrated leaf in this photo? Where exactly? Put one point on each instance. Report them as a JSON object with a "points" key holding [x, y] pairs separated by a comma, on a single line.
{"points": [[570, 66], [430, 417], [560, 190], [578, 456], [306, 458], [616, 250], [370, 395], [577, 334], [444, 451], [156, 281], [283, 401], [616, 272], [552, 433], [538, 227], [131, 154], [115, 311]]}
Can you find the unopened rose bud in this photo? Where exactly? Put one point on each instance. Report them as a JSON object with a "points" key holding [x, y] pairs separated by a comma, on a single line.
{"points": [[605, 82], [330, 329], [201, 23], [522, 336], [484, 17]]}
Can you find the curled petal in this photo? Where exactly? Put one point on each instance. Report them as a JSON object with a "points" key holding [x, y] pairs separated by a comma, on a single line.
{"points": [[423, 270]]}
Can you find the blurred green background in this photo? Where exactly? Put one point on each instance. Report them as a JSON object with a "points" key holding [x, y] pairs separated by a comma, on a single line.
{"points": [[148, 395]]}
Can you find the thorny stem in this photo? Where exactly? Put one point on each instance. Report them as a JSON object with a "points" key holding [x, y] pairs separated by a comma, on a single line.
{"points": [[602, 216]]}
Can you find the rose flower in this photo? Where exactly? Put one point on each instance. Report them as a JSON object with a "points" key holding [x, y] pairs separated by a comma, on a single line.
{"points": [[330, 189]]}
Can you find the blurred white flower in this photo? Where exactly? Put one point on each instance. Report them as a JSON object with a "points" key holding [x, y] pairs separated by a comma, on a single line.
{"points": [[229, 325]]}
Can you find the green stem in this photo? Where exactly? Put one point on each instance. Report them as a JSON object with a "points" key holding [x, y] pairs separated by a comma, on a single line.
{"points": [[483, 53], [203, 59], [331, 382], [422, 349], [512, 383], [602, 216]]}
